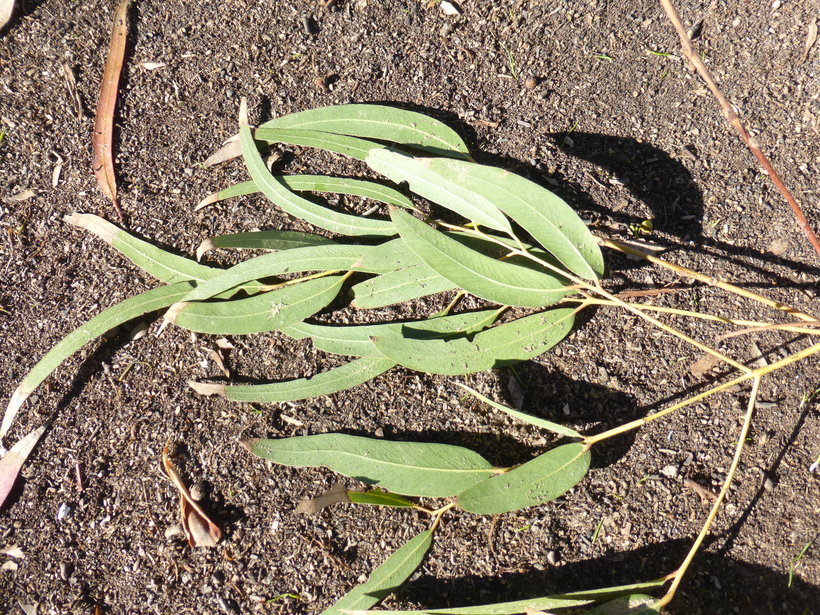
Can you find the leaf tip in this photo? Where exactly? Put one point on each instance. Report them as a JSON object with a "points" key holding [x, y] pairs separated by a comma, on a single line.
{"points": [[174, 311], [16, 402], [243, 112], [100, 227], [208, 200], [249, 443], [206, 245], [207, 388]]}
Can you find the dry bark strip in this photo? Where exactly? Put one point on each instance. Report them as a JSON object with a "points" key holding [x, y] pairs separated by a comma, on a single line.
{"points": [[733, 118], [102, 143]]}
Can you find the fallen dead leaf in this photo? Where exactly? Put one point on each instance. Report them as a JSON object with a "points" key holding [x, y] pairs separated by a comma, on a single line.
{"points": [[7, 8], [14, 459], [448, 8], [73, 93], [811, 39], [14, 551], [198, 528], [10, 566], [102, 142], [216, 356], [778, 247], [151, 65], [230, 150], [705, 494], [23, 195], [705, 363]]}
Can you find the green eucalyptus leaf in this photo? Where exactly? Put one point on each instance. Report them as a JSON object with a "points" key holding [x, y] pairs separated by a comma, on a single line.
{"points": [[145, 303], [559, 601], [408, 468], [507, 344], [376, 497], [527, 418], [636, 604], [159, 263], [387, 578], [318, 183], [274, 240], [399, 286], [276, 191], [324, 257], [400, 167], [546, 477], [481, 275], [379, 122], [355, 341], [262, 312], [337, 143], [332, 381], [538, 211]]}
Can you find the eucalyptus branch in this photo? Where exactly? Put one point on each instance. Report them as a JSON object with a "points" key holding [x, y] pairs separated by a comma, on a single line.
{"points": [[734, 119]]}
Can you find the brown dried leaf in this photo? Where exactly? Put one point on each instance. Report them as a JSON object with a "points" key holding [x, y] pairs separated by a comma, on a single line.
{"points": [[230, 150], [198, 528], [811, 39], [7, 8], [102, 142], [14, 459], [71, 84], [703, 365], [313, 506]]}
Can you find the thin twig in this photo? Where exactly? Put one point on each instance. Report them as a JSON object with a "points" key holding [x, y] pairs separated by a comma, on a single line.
{"points": [[718, 501], [708, 279], [732, 117]]}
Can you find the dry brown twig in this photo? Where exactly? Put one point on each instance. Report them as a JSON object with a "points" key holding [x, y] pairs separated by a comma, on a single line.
{"points": [[732, 117], [102, 141]]}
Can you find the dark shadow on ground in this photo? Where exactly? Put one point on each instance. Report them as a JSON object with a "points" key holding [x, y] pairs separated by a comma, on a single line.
{"points": [[714, 584]]}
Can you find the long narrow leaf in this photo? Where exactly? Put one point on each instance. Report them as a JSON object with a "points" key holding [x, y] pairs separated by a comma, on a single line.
{"points": [[324, 257], [103, 136], [114, 316], [538, 211], [544, 478], [337, 143], [425, 182], [499, 346], [163, 265], [317, 183], [387, 578], [497, 281], [379, 122], [558, 601], [408, 468], [261, 312], [376, 497], [274, 240], [332, 381], [399, 286], [527, 418], [355, 340], [276, 191]]}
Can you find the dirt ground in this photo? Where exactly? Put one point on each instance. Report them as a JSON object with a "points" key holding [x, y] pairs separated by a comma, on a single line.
{"points": [[590, 98]]}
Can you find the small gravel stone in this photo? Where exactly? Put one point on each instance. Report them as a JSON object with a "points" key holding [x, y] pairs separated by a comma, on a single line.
{"points": [[670, 471], [552, 558]]}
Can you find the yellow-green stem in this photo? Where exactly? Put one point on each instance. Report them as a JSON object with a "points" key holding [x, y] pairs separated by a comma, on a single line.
{"points": [[707, 279], [744, 431], [598, 289], [759, 372]]}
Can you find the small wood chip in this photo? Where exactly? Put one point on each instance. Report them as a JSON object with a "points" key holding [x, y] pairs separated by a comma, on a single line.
{"points": [[705, 494]]}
